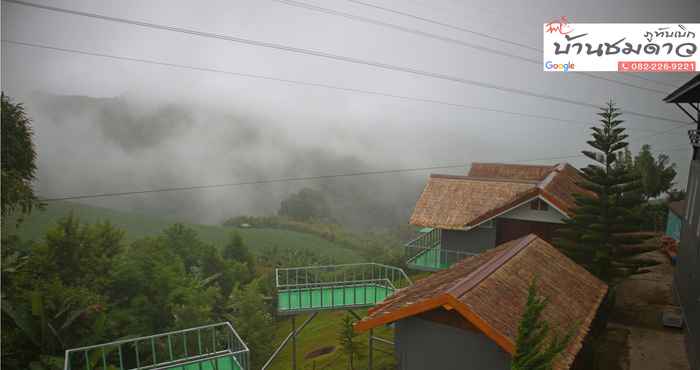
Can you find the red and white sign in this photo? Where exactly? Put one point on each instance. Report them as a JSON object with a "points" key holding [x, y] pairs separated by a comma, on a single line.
{"points": [[622, 47]]}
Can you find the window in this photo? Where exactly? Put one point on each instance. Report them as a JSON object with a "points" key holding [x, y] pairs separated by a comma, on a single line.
{"points": [[539, 205]]}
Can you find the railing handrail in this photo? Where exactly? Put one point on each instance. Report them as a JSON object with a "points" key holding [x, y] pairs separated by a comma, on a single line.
{"points": [[279, 270], [338, 265], [123, 341], [423, 236], [241, 344]]}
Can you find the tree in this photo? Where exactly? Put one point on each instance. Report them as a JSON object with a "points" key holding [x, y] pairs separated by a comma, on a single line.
{"points": [[656, 174], [253, 322], [306, 205], [56, 297], [536, 347], [598, 235], [236, 250], [348, 342], [18, 159]]}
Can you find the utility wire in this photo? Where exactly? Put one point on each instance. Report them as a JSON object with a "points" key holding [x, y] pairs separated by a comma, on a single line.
{"points": [[295, 179], [418, 32], [313, 84], [481, 34], [280, 180], [347, 59]]}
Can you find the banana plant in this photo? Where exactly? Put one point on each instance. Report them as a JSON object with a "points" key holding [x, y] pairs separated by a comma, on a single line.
{"points": [[49, 333]]}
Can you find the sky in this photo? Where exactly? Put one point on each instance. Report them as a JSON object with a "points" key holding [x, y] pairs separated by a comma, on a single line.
{"points": [[104, 125]]}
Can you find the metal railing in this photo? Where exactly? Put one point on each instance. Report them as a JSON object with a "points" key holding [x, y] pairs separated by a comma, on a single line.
{"points": [[426, 253], [426, 240], [356, 282], [215, 345]]}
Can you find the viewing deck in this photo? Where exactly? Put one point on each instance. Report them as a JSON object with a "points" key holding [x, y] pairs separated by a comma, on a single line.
{"points": [[315, 288], [209, 347], [426, 253]]}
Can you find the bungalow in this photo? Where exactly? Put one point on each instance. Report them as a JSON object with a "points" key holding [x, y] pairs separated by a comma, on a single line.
{"points": [[686, 276], [467, 316], [493, 204], [674, 221]]}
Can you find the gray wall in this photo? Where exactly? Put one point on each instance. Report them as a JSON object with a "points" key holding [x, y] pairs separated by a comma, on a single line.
{"points": [[687, 272], [474, 241], [426, 345]]}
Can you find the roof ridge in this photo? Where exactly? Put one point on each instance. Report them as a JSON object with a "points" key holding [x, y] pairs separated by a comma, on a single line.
{"points": [[476, 178], [516, 164], [484, 271]]}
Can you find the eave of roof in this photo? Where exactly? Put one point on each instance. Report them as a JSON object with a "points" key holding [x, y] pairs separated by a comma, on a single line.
{"points": [[689, 92], [556, 187], [479, 289], [450, 299]]}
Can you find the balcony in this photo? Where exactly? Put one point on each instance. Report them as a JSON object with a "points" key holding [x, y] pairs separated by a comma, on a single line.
{"points": [[425, 252], [215, 347], [336, 287]]}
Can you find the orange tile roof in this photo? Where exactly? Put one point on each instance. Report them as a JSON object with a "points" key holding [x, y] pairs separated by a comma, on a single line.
{"points": [[510, 171], [490, 290], [457, 202]]}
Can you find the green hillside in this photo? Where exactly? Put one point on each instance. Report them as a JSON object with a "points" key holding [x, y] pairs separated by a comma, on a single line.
{"points": [[322, 332], [138, 226]]}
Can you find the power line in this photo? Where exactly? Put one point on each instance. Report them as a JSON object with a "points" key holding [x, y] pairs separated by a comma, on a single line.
{"points": [[481, 34], [664, 132], [279, 180], [418, 32], [311, 84], [295, 179], [347, 59]]}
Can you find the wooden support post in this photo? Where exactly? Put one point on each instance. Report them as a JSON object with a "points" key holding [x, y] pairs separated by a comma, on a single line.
{"points": [[371, 340], [294, 345]]}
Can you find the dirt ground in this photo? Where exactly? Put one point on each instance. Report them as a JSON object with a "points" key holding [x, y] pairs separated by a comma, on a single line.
{"points": [[640, 303]]}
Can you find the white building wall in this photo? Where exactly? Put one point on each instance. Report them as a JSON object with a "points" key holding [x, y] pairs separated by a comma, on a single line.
{"points": [[524, 212]]}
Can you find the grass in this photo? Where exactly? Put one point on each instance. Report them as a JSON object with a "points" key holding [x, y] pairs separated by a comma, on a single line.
{"points": [[137, 226], [323, 332]]}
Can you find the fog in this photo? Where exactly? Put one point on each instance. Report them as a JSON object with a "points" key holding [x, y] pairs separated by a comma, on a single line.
{"points": [[104, 125]]}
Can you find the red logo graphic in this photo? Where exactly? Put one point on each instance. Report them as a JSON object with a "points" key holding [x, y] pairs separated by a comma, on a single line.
{"points": [[560, 25]]}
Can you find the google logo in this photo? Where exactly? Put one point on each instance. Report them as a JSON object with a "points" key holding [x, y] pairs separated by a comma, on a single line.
{"points": [[554, 66]]}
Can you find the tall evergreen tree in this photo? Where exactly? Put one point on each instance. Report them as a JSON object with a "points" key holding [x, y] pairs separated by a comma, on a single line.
{"points": [[598, 235], [536, 347], [18, 159]]}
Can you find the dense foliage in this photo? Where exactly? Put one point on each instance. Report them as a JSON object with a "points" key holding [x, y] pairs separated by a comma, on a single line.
{"points": [[18, 159], [600, 234], [536, 346], [82, 284]]}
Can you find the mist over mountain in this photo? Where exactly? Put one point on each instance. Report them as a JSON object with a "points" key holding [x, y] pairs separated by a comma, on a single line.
{"points": [[100, 145]]}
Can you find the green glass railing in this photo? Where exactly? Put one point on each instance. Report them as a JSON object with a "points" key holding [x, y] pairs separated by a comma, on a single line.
{"points": [[313, 288], [426, 253], [209, 347]]}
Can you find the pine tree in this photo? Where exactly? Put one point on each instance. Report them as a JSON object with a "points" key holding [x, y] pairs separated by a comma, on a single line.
{"points": [[348, 343], [536, 347], [598, 235]]}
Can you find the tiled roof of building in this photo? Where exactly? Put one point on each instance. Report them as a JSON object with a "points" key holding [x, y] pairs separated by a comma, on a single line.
{"points": [[510, 171], [457, 202], [490, 290], [677, 207]]}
